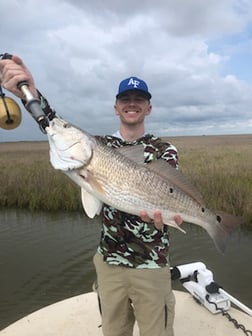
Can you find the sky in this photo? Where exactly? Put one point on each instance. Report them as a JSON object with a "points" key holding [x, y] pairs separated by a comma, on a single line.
{"points": [[195, 56]]}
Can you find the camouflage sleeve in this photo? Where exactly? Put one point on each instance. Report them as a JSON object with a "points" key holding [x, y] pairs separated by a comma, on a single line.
{"points": [[165, 151], [170, 154], [45, 106]]}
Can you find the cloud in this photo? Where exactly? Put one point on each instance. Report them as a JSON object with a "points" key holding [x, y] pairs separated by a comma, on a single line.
{"points": [[78, 51]]}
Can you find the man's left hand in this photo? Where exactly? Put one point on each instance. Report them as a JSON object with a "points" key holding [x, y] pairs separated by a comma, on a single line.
{"points": [[158, 220]]}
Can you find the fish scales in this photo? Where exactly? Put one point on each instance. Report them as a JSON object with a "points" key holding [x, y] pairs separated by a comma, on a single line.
{"points": [[134, 188]]}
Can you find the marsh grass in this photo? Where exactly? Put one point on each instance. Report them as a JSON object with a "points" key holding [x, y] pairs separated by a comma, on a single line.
{"points": [[28, 181], [219, 166], [221, 169]]}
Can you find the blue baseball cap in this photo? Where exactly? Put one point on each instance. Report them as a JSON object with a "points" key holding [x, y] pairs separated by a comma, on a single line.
{"points": [[133, 83]]}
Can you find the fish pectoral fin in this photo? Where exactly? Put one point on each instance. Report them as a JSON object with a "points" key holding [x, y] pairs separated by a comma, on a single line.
{"points": [[91, 204]]}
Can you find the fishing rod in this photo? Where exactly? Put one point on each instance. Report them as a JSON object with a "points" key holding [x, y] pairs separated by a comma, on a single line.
{"points": [[32, 104]]}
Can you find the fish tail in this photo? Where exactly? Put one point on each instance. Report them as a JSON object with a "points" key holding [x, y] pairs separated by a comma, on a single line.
{"points": [[226, 225]]}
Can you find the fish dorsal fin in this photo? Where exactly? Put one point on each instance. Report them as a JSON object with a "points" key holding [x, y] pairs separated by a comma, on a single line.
{"points": [[134, 153], [175, 178], [91, 204]]}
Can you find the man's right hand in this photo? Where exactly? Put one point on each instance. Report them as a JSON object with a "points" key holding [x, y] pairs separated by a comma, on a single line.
{"points": [[14, 71]]}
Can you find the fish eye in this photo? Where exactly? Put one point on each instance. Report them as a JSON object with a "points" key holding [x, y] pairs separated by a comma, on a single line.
{"points": [[66, 125]]}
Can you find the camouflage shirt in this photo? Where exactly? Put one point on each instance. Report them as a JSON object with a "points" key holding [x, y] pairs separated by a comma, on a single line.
{"points": [[125, 239]]}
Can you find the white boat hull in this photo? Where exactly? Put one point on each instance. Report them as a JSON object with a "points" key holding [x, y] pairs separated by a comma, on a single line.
{"points": [[79, 316]]}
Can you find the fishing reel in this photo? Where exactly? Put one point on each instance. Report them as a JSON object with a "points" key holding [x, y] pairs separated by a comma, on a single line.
{"points": [[10, 113]]}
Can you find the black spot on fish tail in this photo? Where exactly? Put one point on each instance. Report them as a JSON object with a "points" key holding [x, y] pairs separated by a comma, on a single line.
{"points": [[226, 225], [230, 223]]}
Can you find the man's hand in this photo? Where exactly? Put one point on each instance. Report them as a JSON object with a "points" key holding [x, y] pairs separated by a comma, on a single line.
{"points": [[158, 221], [12, 72]]}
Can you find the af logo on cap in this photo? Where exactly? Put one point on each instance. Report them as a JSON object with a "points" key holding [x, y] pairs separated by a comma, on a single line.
{"points": [[134, 82]]}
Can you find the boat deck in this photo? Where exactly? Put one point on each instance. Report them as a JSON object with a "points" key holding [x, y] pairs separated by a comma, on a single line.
{"points": [[79, 316]]}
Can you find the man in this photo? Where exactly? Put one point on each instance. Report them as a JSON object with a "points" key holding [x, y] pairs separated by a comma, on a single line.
{"points": [[131, 262]]}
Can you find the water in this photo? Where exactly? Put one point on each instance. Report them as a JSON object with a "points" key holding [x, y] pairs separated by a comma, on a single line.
{"points": [[45, 258]]}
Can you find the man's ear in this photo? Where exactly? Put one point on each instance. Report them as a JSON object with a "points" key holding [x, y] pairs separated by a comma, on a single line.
{"points": [[116, 112], [149, 110]]}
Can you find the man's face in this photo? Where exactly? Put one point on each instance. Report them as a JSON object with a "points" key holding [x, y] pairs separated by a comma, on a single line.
{"points": [[132, 107]]}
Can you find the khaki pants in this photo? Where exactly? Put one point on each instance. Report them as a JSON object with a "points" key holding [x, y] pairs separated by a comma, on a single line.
{"points": [[127, 294]]}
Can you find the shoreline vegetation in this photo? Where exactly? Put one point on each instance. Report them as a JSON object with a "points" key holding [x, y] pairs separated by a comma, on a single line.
{"points": [[220, 166]]}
